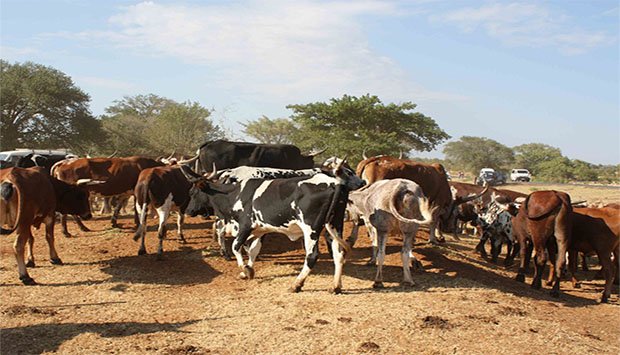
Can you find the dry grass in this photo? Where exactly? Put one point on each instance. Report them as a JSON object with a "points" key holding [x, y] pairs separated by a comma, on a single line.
{"points": [[106, 299], [593, 194]]}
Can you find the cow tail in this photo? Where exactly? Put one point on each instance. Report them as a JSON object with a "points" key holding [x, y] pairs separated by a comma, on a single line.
{"points": [[8, 192], [142, 200], [423, 204]]}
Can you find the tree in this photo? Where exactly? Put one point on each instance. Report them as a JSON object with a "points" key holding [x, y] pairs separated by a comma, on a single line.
{"points": [[266, 130], [583, 171], [557, 169], [475, 153], [152, 125], [349, 125], [42, 108], [531, 155]]}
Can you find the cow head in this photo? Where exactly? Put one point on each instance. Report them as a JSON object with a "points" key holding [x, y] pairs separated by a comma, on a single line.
{"points": [[202, 192], [71, 199], [343, 172]]}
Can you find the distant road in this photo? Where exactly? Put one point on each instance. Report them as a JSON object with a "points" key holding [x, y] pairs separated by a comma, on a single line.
{"points": [[534, 184]]}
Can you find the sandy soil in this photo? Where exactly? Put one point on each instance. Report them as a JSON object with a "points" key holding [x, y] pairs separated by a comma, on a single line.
{"points": [[106, 299]]}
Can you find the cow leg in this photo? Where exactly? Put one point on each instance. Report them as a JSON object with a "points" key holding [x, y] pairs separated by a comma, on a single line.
{"points": [[608, 272], [115, 213], [372, 233], [496, 248], [180, 221], [572, 267], [80, 224], [253, 252], [523, 260], [354, 233], [405, 255], [339, 257], [142, 225], [220, 234], [49, 236], [312, 254], [540, 259], [562, 237], [381, 238], [163, 212], [63, 224], [30, 262], [508, 259], [242, 236], [23, 235], [584, 262], [551, 276], [480, 246], [105, 206]]}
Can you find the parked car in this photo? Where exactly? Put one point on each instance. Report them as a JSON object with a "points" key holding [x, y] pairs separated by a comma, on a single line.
{"points": [[522, 175], [12, 157], [490, 177]]}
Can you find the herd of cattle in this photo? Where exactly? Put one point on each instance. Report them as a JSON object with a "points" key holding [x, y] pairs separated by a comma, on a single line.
{"points": [[256, 189]]}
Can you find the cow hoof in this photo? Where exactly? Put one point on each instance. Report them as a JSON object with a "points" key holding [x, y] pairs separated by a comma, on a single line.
{"points": [[249, 271], [555, 294], [377, 284], [536, 286], [548, 283], [56, 261], [417, 265], [227, 257], [520, 278], [577, 285], [243, 276], [295, 289], [604, 299], [30, 263], [141, 251], [85, 229], [183, 241], [336, 290], [67, 235], [370, 262], [407, 284], [27, 280]]}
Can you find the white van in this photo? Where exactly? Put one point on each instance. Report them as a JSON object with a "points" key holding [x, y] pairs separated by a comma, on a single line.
{"points": [[13, 156], [520, 175]]}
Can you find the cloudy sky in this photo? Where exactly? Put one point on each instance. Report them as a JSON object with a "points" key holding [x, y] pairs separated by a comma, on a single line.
{"points": [[516, 72]]}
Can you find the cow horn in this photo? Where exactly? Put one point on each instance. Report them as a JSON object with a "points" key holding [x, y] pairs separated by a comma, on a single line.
{"points": [[342, 162], [189, 174], [578, 203], [364, 154], [188, 161], [471, 198], [89, 182], [213, 172], [113, 154], [400, 155], [171, 155], [314, 153]]}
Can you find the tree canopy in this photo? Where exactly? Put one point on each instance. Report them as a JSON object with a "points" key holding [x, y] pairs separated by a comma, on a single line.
{"points": [[42, 108], [475, 153], [266, 130], [153, 125], [349, 125]]}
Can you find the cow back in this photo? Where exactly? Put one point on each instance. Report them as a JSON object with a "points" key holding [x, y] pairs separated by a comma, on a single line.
{"points": [[541, 203]]}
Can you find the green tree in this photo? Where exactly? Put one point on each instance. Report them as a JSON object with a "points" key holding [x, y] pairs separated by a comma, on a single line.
{"points": [[474, 153], [584, 171], [266, 130], [557, 169], [152, 125], [349, 125], [42, 108], [531, 155]]}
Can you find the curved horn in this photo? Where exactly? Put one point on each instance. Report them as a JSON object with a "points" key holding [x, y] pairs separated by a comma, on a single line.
{"points": [[400, 155], [189, 174], [213, 173], [113, 154], [315, 153], [89, 182], [364, 154], [188, 161], [342, 162], [171, 155], [471, 198]]}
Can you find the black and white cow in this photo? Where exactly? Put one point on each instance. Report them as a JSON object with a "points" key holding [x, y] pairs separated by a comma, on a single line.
{"points": [[238, 175], [496, 225], [298, 207]]}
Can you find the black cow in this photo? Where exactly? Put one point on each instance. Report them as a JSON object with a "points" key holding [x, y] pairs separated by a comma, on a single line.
{"points": [[226, 155], [297, 207]]}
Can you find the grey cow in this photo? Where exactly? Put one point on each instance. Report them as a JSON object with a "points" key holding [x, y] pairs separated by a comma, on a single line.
{"points": [[385, 206]]}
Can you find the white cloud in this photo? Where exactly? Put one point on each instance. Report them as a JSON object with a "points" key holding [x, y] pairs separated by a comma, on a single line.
{"points": [[282, 50], [522, 24]]}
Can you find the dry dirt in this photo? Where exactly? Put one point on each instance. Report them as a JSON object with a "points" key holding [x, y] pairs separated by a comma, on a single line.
{"points": [[106, 299]]}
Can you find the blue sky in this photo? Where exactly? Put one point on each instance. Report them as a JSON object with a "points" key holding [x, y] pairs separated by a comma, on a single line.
{"points": [[516, 72]]}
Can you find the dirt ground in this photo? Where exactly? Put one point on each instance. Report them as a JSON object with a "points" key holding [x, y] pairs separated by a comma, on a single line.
{"points": [[106, 299]]}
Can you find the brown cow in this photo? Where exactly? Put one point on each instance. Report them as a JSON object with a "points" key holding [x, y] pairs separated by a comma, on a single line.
{"points": [[543, 215], [119, 174], [30, 197], [431, 178], [163, 188], [596, 230]]}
